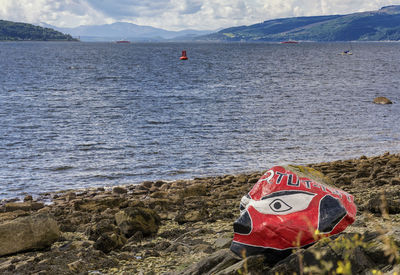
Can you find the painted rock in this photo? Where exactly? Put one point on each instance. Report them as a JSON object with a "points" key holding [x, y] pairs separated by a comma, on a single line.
{"points": [[290, 207]]}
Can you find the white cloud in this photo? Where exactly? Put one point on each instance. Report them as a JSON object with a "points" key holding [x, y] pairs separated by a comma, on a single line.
{"points": [[59, 13], [175, 14]]}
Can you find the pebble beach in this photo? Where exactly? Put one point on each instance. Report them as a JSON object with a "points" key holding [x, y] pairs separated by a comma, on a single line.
{"points": [[186, 227]]}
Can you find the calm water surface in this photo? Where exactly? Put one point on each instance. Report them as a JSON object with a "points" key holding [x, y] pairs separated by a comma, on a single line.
{"points": [[75, 115]]}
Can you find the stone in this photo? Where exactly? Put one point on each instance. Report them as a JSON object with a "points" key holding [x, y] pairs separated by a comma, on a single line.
{"points": [[25, 206], [108, 242], [382, 100], [28, 198], [227, 179], [217, 261], [388, 201], [229, 194], [290, 206], [159, 183], [194, 190], [241, 179], [164, 187], [119, 190], [178, 184], [153, 189], [28, 233], [137, 237], [130, 220], [252, 180], [395, 181], [96, 230], [380, 182], [205, 248], [251, 265], [147, 184], [70, 196], [223, 243], [182, 249], [76, 266], [97, 204], [159, 195], [185, 216]]}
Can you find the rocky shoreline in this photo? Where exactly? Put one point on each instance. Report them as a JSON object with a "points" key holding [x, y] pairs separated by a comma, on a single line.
{"points": [[185, 227]]}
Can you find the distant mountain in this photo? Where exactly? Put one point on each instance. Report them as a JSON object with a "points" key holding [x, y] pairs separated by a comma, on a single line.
{"points": [[13, 31], [127, 31], [380, 25]]}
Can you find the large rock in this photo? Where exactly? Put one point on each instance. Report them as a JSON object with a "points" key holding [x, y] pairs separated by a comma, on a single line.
{"points": [[290, 206], [28, 233], [25, 206], [382, 100], [131, 220]]}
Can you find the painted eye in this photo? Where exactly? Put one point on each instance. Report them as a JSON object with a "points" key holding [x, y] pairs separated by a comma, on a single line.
{"points": [[282, 202], [279, 205]]}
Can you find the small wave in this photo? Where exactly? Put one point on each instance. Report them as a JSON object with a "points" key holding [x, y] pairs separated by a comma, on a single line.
{"points": [[61, 168], [177, 172], [107, 77], [153, 122], [116, 176], [88, 146], [11, 144], [28, 127], [292, 148], [107, 177]]}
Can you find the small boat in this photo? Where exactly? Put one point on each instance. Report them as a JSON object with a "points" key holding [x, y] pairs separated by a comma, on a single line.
{"points": [[348, 52], [289, 42], [123, 42]]}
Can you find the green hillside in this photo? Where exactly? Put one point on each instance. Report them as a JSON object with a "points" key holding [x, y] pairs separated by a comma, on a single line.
{"points": [[12, 31], [383, 24]]}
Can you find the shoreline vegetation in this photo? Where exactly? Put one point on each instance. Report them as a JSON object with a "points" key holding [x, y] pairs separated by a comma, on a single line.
{"points": [[186, 227], [15, 31]]}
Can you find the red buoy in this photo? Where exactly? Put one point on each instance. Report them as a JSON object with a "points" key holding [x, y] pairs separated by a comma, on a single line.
{"points": [[183, 57]]}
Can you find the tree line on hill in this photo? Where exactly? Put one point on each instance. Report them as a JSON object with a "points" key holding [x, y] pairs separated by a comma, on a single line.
{"points": [[380, 25], [13, 31]]}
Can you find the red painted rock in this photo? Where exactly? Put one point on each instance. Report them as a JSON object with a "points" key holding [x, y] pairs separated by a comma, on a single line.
{"points": [[289, 207]]}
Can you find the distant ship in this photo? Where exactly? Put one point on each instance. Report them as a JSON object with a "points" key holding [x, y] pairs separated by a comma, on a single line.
{"points": [[348, 52], [123, 41], [289, 42]]}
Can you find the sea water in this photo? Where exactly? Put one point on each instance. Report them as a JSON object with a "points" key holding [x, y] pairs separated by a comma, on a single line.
{"points": [[78, 115]]}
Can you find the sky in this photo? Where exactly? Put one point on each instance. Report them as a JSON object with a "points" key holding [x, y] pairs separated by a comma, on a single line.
{"points": [[175, 14]]}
